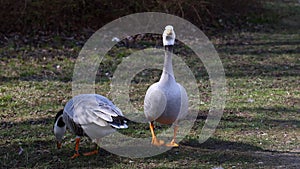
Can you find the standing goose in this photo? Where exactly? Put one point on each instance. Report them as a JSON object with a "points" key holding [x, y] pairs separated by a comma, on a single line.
{"points": [[166, 101], [89, 115]]}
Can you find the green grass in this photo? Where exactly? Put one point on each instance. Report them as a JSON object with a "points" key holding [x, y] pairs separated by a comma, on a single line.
{"points": [[259, 128]]}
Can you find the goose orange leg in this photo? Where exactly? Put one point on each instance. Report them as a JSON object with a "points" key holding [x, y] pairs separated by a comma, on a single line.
{"points": [[173, 142], [92, 152], [76, 148], [85, 154], [155, 141]]}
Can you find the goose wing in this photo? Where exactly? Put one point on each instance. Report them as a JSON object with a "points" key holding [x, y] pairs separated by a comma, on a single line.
{"points": [[92, 108], [155, 102], [184, 103]]}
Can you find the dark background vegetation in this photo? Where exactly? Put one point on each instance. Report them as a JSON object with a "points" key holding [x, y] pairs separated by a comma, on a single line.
{"points": [[68, 16]]}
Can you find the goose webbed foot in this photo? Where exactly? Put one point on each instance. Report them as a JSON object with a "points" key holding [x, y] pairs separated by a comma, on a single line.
{"points": [[155, 141], [172, 144], [96, 151], [75, 155], [91, 153]]}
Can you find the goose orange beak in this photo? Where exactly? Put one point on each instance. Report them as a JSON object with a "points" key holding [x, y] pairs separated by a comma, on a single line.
{"points": [[169, 32], [58, 144]]}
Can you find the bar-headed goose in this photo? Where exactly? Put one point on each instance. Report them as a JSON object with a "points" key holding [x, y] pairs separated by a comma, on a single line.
{"points": [[89, 115], [166, 101]]}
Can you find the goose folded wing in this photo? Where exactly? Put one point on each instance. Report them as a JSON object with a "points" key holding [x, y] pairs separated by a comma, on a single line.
{"points": [[154, 103], [94, 113]]}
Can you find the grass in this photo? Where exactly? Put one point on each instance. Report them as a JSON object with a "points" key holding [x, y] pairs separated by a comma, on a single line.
{"points": [[259, 127]]}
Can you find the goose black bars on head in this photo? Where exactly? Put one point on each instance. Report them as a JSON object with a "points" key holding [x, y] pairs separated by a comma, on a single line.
{"points": [[166, 101], [89, 115]]}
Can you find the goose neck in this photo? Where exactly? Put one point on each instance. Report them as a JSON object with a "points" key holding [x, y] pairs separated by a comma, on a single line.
{"points": [[168, 67]]}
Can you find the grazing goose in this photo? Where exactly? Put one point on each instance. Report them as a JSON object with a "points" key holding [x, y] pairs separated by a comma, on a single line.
{"points": [[166, 101], [89, 115]]}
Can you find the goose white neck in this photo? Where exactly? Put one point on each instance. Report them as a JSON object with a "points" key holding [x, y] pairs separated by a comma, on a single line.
{"points": [[168, 66]]}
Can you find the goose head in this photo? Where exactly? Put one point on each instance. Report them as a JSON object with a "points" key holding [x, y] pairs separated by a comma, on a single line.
{"points": [[59, 128], [168, 37]]}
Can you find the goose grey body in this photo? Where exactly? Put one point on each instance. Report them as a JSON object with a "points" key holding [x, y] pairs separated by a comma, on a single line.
{"points": [[166, 101], [93, 115], [89, 115]]}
